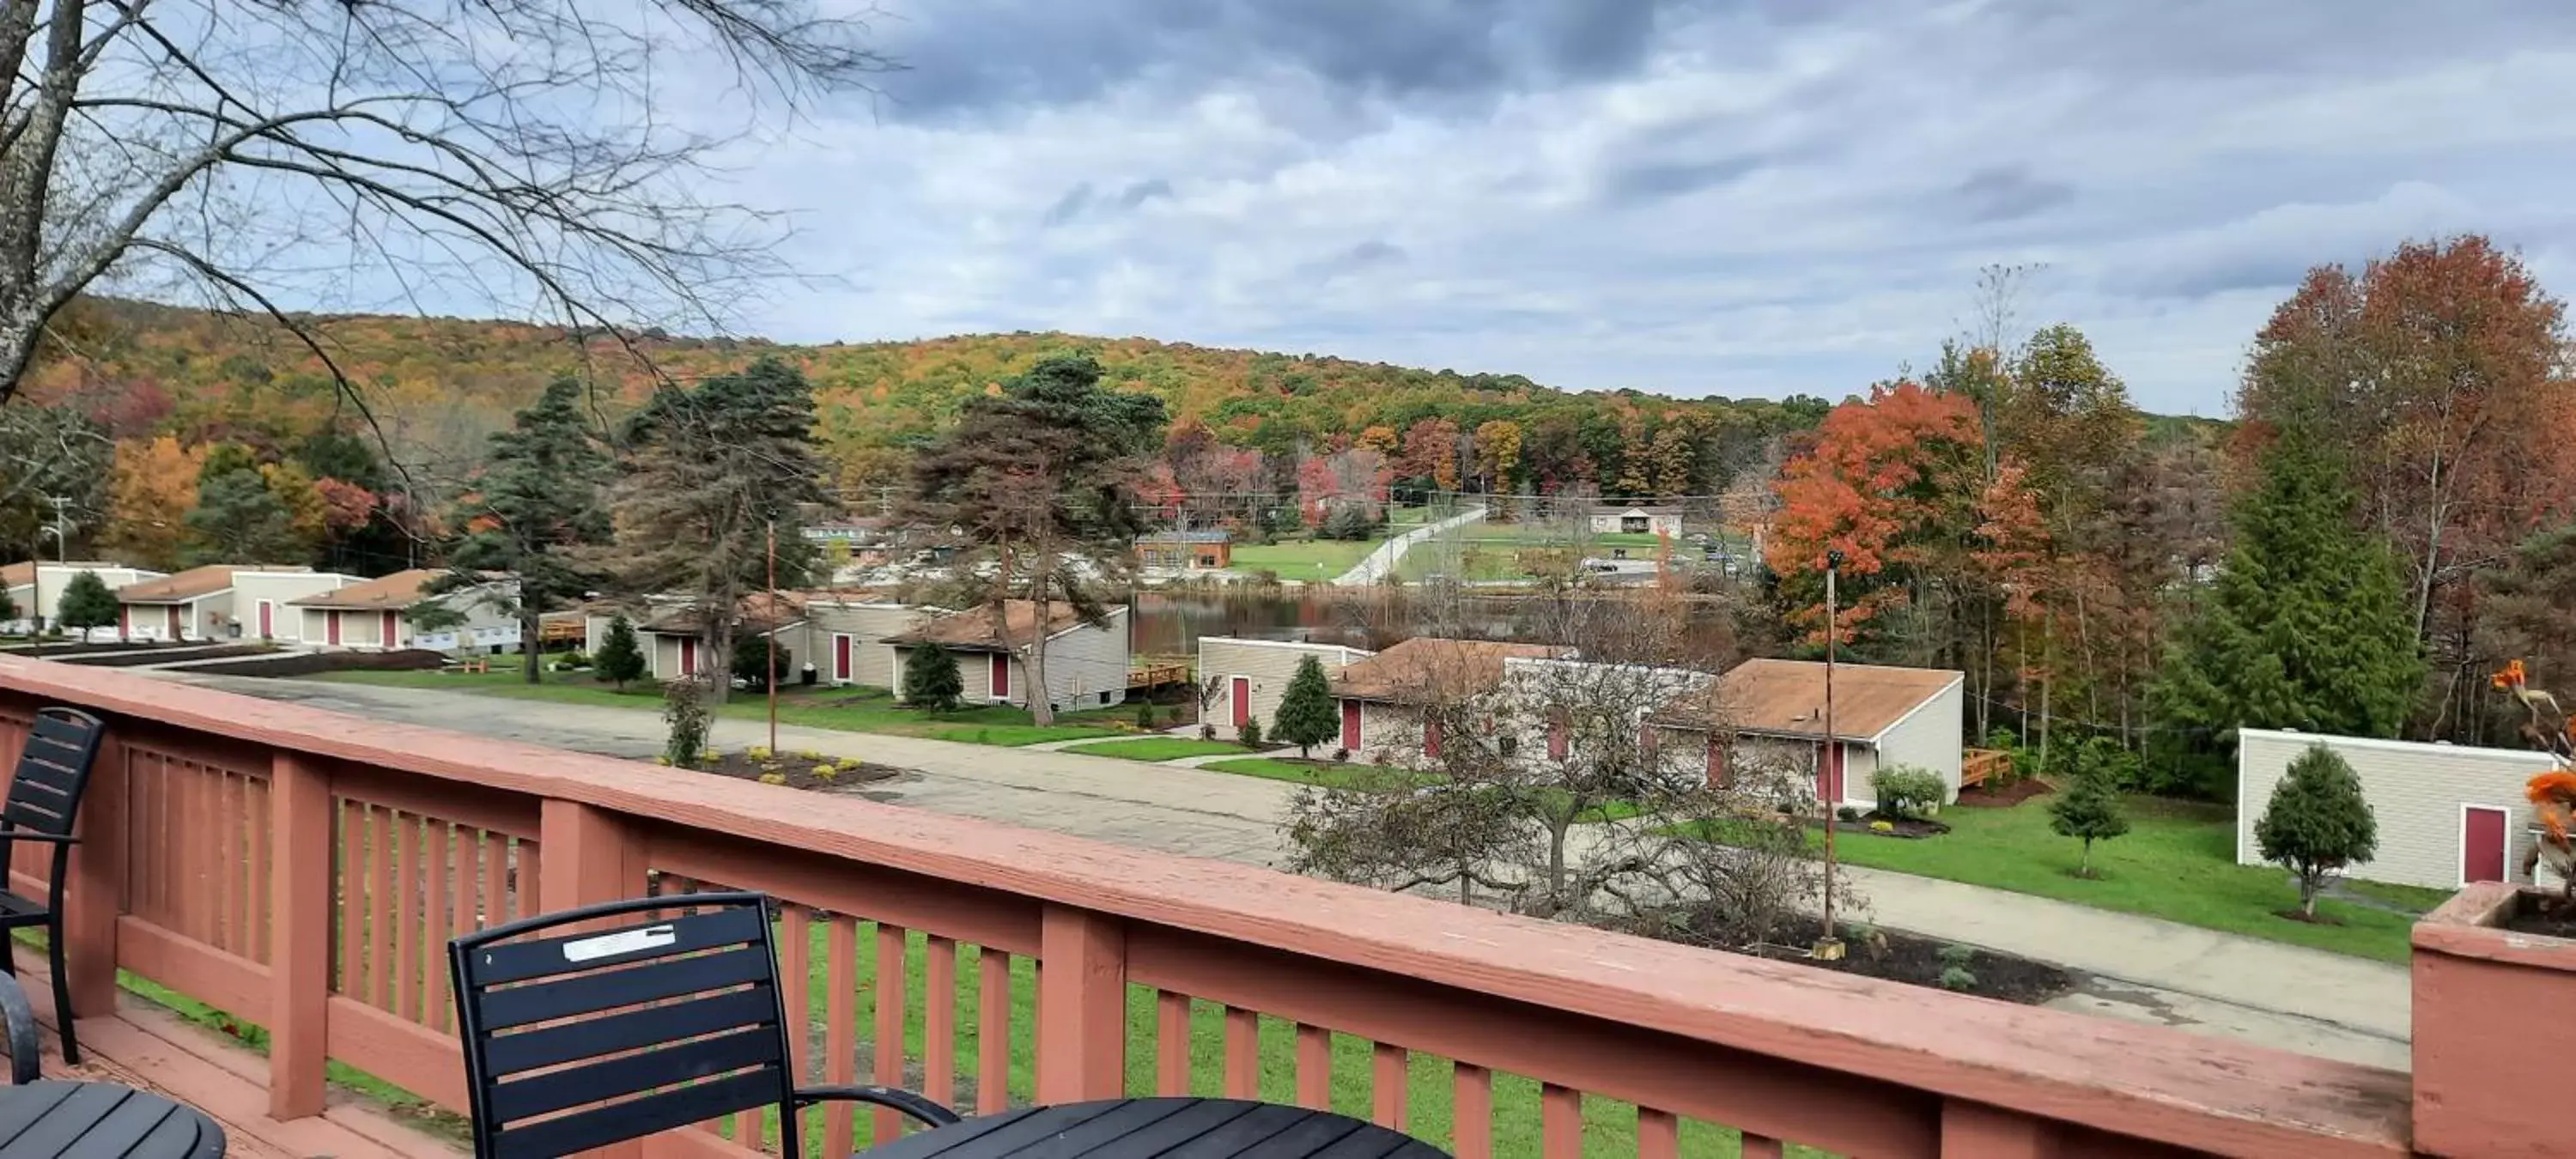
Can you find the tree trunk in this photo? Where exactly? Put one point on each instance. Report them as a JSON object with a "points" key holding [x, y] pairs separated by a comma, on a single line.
{"points": [[2084, 864], [531, 626], [2308, 891], [1041, 701]]}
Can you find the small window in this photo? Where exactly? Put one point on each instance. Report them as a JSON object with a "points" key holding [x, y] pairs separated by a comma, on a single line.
{"points": [[1104, 698], [1508, 744]]}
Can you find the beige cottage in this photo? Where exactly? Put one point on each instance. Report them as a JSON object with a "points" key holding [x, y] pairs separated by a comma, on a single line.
{"points": [[1770, 713], [1245, 679], [220, 602], [36, 589], [376, 615], [2447, 814], [1381, 697], [1087, 665]]}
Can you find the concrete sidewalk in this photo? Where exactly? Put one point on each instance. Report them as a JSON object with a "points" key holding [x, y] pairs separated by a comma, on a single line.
{"points": [[2138, 968], [1380, 563]]}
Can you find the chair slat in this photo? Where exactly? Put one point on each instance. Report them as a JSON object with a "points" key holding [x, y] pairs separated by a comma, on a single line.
{"points": [[508, 1054], [507, 962], [635, 1118], [556, 1090], [607, 990], [55, 727]]}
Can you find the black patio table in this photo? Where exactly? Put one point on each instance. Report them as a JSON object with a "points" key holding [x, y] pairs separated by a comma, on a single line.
{"points": [[88, 1120], [1168, 1128]]}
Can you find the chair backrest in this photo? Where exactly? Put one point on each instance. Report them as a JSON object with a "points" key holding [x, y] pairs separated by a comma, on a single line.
{"points": [[53, 772], [579, 1040]]}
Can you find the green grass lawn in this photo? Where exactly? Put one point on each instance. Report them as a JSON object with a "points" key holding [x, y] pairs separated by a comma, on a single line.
{"points": [[1156, 748], [1302, 559], [1331, 776], [844, 709], [2177, 862]]}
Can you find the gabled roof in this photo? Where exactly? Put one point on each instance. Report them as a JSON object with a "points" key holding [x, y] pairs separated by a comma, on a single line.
{"points": [[18, 575], [391, 593], [1431, 667], [194, 583], [1787, 698], [759, 612], [972, 630]]}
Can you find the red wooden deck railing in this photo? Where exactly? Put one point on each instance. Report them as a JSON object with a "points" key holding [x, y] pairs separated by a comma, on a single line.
{"points": [[300, 870]]}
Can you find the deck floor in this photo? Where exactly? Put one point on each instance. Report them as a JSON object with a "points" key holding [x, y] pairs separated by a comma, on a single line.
{"points": [[152, 1049]]}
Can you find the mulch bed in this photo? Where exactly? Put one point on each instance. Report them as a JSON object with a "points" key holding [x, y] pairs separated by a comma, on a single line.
{"points": [[1983, 797], [1898, 826], [311, 663], [166, 654], [2543, 914], [799, 771], [1899, 957]]}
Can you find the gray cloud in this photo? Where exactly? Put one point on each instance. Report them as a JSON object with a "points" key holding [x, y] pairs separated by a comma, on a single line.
{"points": [[2007, 193], [1143, 191], [1653, 180], [1069, 206]]}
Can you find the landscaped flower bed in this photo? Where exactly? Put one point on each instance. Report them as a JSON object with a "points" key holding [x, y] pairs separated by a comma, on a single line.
{"points": [[799, 770]]}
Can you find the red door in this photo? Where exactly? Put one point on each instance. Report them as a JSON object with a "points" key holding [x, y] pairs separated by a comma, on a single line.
{"points": [[170, 619], [2481, 844], [1716, 762], [688, 656], [840, 658], [1351, 725], [1001, 676], [1241, 695], [124, 621], [1431, 737], [386, 630], [1829, 777], [331, 628], [267, 612]]}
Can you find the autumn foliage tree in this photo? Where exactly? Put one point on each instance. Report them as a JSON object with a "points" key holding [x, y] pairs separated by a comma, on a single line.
{"points": [[1883, 484]]}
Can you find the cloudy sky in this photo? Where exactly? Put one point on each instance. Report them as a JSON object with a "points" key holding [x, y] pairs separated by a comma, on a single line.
{"points": [[1739, 197]]}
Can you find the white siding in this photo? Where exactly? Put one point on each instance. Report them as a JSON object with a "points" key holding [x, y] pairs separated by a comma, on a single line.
{"points": [[280, 588], [1266, 666], [1082, 665], [2415, 792], [867, 625], [1928, 738], [52, 578]]}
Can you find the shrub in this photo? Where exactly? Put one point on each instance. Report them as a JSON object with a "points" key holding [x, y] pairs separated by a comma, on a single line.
{"points": [[1250, 733], [2317, 823], [2090, 810], [757, 752], [1907, 791], [1307, 716], [1846, 813], [684, 710], [826, 771], [1341, 756], [1144, 716], [808, 755], [1958, 978], [1207, 732], [621, 658], [751, 661], [931, 679], [773, 778], [1958, 956], [1882, 825]]}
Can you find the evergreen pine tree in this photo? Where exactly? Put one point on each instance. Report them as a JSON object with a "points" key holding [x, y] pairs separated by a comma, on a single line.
{"points": [[931, 679], [1306, 717], [538, 504], [620, 657], [2088, 810], [2307, 626], [2317, 823], [86, 603]]}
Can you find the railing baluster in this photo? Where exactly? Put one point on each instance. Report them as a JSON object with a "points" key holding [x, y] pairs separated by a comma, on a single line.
{"points": [[892, 978], [1472, 1126], [380, 925], [1659, 1134], [1171, 1043], [939, 1020], [1242, 1053], [796, 988], [352, 929], [407, 984], [1314, 1067], [1560, 1112], [262, 914], [434, 912], [226, 873], [993, 1032], [840, 1027], [1390, 1081], [532, 865]]}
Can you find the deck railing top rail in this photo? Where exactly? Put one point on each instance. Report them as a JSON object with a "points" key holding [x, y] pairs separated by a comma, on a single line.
{"points": [[2147, 1082]]}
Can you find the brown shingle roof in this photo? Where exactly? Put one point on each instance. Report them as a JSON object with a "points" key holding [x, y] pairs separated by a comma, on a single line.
{"points": [[389, 593], [18, 575], [1787, 698], [758, 614], [972, 630], [192, 583], [1427, 667]]}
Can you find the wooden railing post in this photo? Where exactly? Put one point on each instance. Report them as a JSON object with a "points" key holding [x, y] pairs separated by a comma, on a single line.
{"points": [[589, 855], [1082, 1006], [300, 934], [1989, 1132], [95, 896]]}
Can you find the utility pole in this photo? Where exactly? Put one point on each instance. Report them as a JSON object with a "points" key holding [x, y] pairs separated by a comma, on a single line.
{"points": [[1828, 783], [772, 651], [36, 565]]}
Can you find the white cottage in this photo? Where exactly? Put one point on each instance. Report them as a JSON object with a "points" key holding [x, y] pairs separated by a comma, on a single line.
{"points": [[377, 615], [2448, 814], [1772, 712], [36, 589], [1637, 520], [221, 602], [1246, 678], [1086, 664]]}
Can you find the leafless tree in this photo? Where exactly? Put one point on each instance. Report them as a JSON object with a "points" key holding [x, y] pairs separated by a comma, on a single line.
{"points": [[547, 155]]}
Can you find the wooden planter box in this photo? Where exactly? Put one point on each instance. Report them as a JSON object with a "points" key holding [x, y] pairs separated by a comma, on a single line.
{"points": [[2491, 1010]]}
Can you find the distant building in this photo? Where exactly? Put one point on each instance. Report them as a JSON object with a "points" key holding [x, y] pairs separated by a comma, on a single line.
{"points": [[860, 542], [222, 602], [674, 638], [1773, 711], [377, 615], [1086, 665], [1637, 520], [36, 589], [1185, 551], [1247, 678], [2448, 814]]}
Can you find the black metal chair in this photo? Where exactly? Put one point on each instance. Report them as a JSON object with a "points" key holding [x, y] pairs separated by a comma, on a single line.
{"points": [[632, 1029], [44, 801]]}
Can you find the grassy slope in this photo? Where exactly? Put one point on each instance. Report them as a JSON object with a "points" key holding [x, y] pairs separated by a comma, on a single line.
{"points": [[2177, 862], [1156, 748], [845, 709], [1303, 559]]}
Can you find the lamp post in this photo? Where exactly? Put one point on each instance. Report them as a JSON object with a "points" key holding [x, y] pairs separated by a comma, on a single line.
{"points": [[1829, 948]]}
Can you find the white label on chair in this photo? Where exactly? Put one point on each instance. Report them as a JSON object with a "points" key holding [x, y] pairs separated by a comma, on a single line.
{"points": [[622, 942]]}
